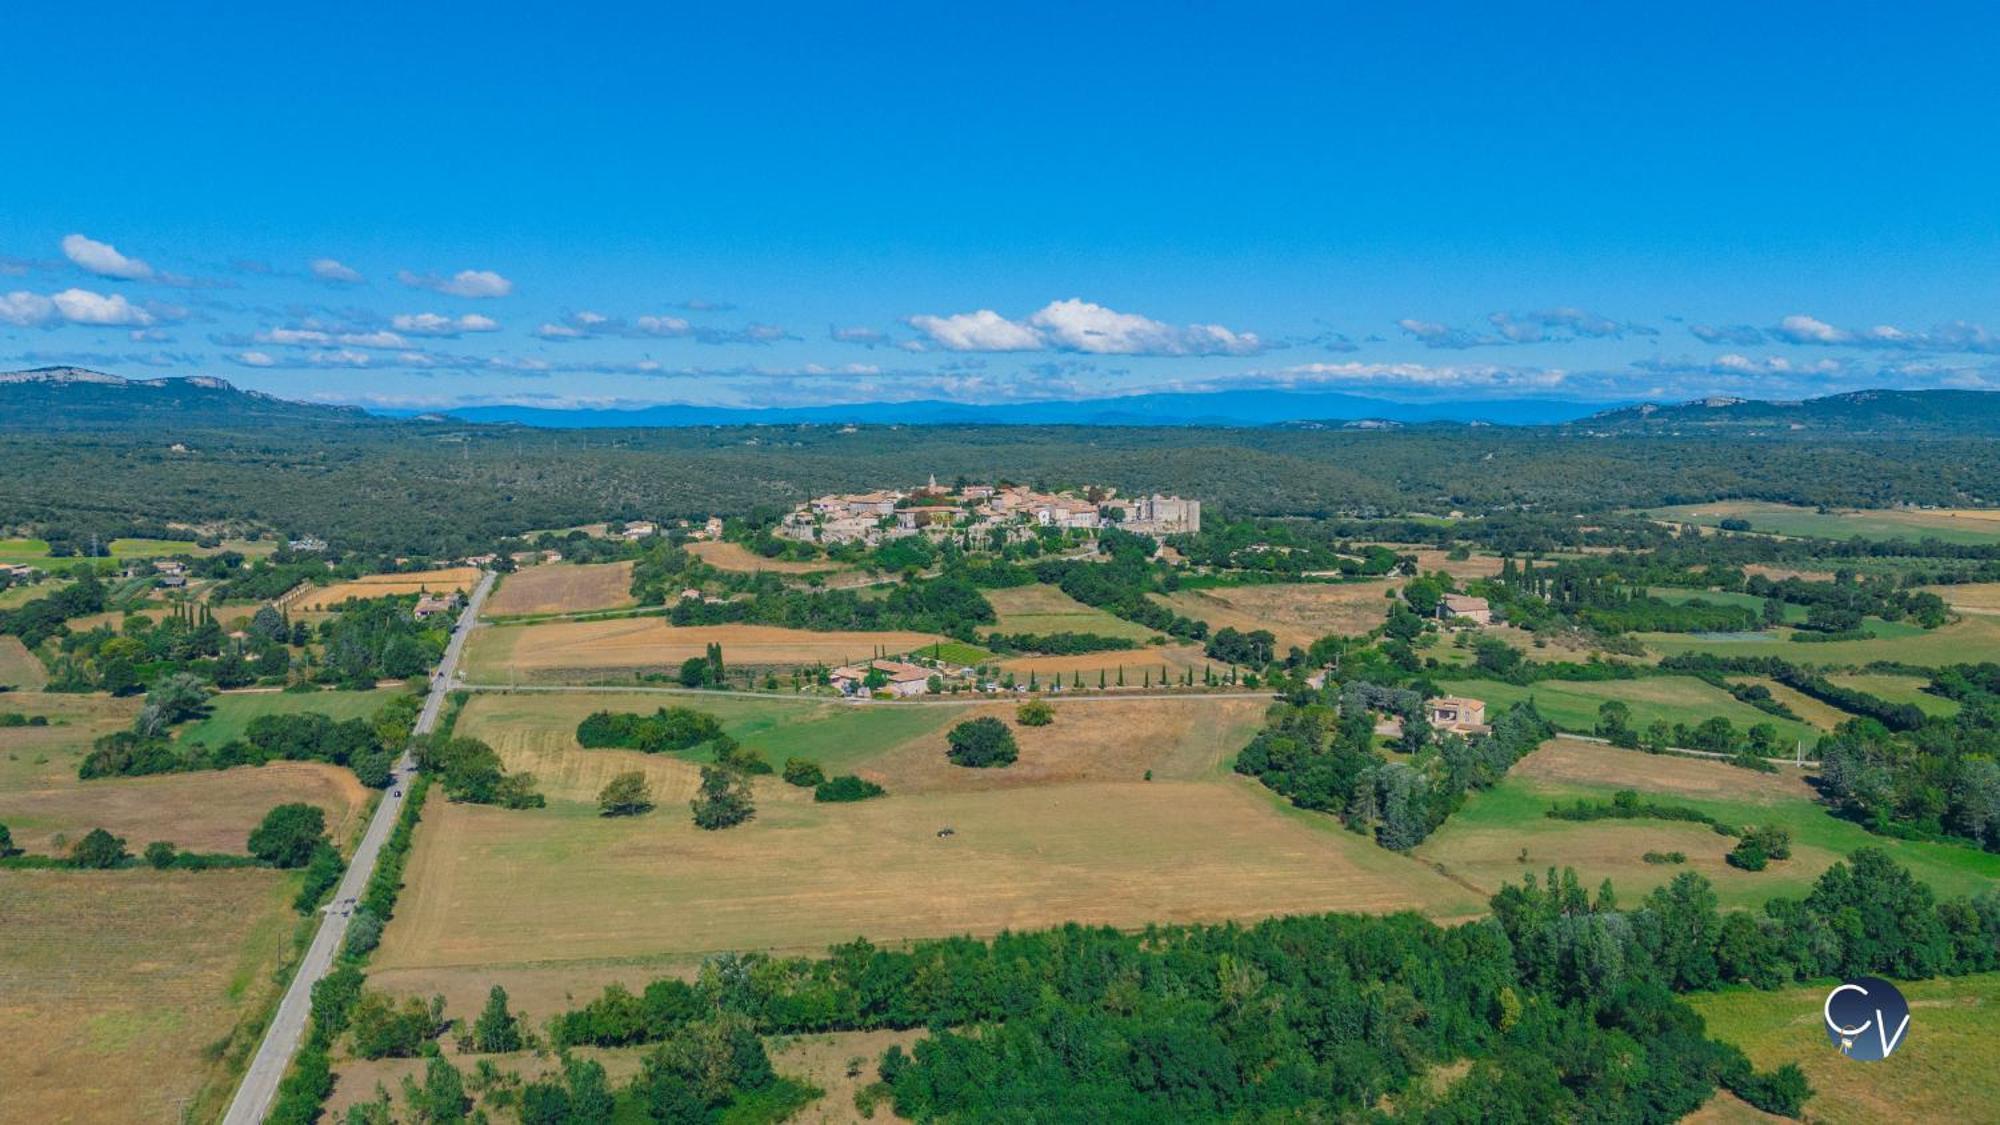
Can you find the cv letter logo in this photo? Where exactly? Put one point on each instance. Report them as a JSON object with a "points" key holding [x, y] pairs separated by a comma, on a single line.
{"points": [[1866, 1018]]}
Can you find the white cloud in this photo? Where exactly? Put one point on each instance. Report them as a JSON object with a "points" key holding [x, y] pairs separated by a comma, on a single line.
{"points": [[554, 331], [26, 310], [329, 269], [343, 357], [464, 283], [293, 337], [254, 359], [982, 331], [1807, 330], [376, 339], [81, 306], [1076, 325], [103, 259], [663, 325], [435, 324]]}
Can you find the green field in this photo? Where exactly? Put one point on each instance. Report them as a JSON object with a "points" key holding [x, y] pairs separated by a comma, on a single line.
{"points": [[234, 710], [1044, 609], [955, 652], [1942, 1072], [1793, 613], [1573, 705], [1783, 519], [1970, 638], [835, 735], [1901, 689], [1483, 842]]}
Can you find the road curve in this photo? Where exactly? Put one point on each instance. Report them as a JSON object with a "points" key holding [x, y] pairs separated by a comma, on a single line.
{"points": [[281, 1040]]}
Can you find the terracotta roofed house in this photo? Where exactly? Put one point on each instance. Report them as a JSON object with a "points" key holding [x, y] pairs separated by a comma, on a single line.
{"points": [[1461, 607]]}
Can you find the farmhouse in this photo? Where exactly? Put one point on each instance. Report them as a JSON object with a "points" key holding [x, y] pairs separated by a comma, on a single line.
{"points": [[306, 543], [898, 678], [1459, 607], [1457, 714], [639, 529]]}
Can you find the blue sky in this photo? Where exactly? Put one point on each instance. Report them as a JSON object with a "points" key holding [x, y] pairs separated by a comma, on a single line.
{"points": [[441, 203]]}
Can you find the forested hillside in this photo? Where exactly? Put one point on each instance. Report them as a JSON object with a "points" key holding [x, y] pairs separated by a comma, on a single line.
{"points": [[73, 458]]}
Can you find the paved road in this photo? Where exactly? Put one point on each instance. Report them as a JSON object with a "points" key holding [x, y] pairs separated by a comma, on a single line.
{"points": [[281, 1040]]}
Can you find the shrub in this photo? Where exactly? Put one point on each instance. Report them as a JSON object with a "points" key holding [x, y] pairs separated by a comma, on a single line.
{"points": [[1035, 713], [625, 795], [803, 773], [847, 787], [981, 743], [160, 854], [98, 850]]}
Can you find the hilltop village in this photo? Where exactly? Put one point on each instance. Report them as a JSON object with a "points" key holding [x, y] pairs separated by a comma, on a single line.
{"points": [[983, 514]]}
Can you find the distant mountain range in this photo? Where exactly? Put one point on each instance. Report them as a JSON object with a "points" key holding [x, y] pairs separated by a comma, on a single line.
{"points": [[77, 398], [1881, 412], [1215, 408]]}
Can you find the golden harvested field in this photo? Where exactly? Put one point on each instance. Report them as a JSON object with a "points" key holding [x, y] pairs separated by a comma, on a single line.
{"points": [[1477, 566], [563, 588], [1045, 609], [387, 585], [19, 669], [1070, 832], [1297, 614], [116, 986], [1568, 761], [488, 887], [558, 650], [1098, 739], [1138, 663], [1822, 715], [208, 812], [735, 556], [1971, 597]]}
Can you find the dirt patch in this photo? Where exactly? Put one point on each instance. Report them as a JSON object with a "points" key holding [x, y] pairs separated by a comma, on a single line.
{"points": [[563, 588]]}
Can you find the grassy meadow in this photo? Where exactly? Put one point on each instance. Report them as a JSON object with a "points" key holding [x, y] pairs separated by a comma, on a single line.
{"points": [[1942, 1072], [1572, 705], [1041, 609], [1963, 639], [231, 712], [1485, 840], [1947, 525]]}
